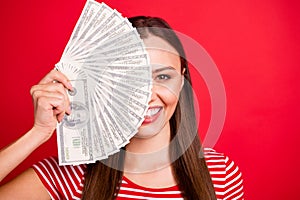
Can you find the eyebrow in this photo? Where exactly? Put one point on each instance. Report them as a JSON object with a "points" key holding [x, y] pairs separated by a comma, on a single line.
{"points": [[164, 68]]}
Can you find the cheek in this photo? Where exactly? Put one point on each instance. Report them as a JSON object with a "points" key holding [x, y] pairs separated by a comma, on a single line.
{"points": [[169, 98]]}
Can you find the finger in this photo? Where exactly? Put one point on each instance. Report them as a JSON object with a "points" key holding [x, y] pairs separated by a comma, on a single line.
{"points": [[60, 116], [38, 94], [59, 112], [51, 101], [49, 107], [55, 90], [47, 103], [47, 93], [68, 103], [56, 76], [60, 88]]}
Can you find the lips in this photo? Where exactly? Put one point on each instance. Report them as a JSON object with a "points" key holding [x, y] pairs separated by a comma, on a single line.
{"points": [[152, 114]]}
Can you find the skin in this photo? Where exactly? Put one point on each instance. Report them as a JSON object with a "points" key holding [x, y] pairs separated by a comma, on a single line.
{"points": [[51, 103], [155, 136]]}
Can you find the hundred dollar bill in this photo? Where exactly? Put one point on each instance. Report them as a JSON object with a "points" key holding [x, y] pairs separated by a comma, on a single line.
{"points": [[134, 103], [86, 14], [114, 18], [123, 119], [99, 140], [119, 68], [103, 132], [98, 17], [137, 94], [98, 143], [107, 42], [128, 49], [136, 73], [117, 134], [74, 133], [98, 30], [131, 105], [109, 67], [124, 115], [115, 130], [140, 90], [126, 76], [120, 39], [113, 148], [131, 73], [94, 41], [95, 18], [123, 60], [121, 77], [127, 42], [93, 8], [72, 70]]}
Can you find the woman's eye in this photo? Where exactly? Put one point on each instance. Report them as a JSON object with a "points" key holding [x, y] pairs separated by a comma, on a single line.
{"points": [[163, 77]]}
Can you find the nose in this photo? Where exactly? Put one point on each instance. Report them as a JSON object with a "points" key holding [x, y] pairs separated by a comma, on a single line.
{"points": [[154, 94]]}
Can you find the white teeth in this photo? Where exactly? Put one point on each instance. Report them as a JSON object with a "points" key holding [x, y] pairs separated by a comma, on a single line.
{"points": [[152, 111]]}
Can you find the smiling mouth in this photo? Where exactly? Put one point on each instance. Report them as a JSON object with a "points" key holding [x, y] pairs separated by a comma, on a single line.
{"points": [[152, 114]]}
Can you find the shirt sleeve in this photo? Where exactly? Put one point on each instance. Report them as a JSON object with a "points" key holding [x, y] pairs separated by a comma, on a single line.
{"points": [[61, 182], [234, 182]]}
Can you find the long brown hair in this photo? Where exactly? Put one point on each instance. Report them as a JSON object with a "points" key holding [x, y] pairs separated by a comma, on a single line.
{"points": [[189, 169]]}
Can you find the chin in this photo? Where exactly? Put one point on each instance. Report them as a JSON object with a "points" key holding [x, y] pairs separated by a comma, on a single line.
{"points": [[147, 132], [151, 130]]}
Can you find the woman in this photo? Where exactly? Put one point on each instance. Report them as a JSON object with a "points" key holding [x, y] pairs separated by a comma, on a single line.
{"points": [[171, 164]]}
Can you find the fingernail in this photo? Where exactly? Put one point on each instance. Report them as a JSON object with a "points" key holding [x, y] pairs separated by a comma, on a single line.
{"points": [[69, 110], [69, 85]]}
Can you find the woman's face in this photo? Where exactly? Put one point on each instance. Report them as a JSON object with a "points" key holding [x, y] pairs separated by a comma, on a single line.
{"points": [[167, 84]]}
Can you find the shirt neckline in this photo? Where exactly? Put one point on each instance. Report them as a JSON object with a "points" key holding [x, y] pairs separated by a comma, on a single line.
{"points": [[171, 188]]}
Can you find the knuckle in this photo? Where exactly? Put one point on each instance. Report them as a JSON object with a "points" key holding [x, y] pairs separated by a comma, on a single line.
{"points": [[59, 87], [32, 89], [41, 102], [62, 97], [53, 72], [35, 94]]}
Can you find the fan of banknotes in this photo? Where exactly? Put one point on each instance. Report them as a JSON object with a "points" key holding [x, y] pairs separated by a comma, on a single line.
{"points": [[108, 66]]}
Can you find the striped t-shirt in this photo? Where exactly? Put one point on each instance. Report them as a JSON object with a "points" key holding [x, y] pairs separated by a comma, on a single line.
{"points": [[66, 182]]}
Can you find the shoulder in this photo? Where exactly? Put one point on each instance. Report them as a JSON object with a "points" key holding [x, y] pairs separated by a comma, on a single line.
{"points": [[225, 174], [216, 159], [212, 155], [59, 180]]}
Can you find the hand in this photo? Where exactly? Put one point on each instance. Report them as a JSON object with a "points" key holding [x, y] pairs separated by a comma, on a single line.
{"points": [[50, 101]]}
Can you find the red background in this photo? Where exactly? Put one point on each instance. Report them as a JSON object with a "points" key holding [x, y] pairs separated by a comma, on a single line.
{"points": [[255, 45]]}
